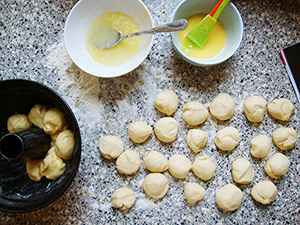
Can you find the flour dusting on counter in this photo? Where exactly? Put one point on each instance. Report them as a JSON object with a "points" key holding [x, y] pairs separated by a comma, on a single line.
{"points": [[144, 203], [78, 86]]}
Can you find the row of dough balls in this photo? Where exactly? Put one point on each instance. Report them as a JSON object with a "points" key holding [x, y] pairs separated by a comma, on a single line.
{"points": [[53, 122], [223, 107], [226, 138], [166, 128], [229, 197]]}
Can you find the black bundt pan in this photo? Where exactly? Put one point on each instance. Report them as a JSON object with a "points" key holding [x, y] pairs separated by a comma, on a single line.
{"points": [[17, 192]]}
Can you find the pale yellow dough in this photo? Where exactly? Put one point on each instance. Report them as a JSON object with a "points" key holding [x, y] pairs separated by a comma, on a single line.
{"points": [[36, 115], [156, 162], [33, 169], [166, 102], [155, 185], [222, 107], [227, 138], [52, 166], [54, 121], [242, 171], [18, 122], [196, 139], [111, 147], [277, 165], [229, 197], [166, 129], [128, 162], [204, 167], [260, 146], [194, 192], [264, 192], [179, 166], [194, 113], [281, 109], [139, 131], [285, 138], [65, 144], [123, 198], [254, 108], [55, 135]]}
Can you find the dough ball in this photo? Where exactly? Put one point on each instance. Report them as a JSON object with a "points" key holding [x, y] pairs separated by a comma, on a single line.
{"points": [[65, 144], [196, 139], [242, 171], [281, 109], [285, 138], [128, 162], [222, 107], [54, 121], [36, 115], [204, 167], [254, 108], [229, 197], [156, 162], [52, 166], [111, 147], [55, 135], [33, 169], [194, 113], [18, 122], [166, 102], [277, 165], [139, 131], [194, 192], [166, 129], [155, 185], [260, 146], [227, 138], [179, 166], [264, 192], [123, 198]]}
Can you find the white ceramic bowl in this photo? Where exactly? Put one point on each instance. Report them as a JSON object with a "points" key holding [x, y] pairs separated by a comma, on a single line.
{"points": [[85, 12], [230, 18]]}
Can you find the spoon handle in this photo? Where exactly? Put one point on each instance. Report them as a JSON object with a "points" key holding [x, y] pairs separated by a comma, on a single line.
{"points": [[176, 25]]}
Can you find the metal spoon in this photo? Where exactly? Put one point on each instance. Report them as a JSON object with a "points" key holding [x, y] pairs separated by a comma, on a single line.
{"points": [[116, 37]]}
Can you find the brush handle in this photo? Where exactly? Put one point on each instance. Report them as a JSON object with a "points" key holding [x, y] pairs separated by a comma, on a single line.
{"points": [[215, 13]]}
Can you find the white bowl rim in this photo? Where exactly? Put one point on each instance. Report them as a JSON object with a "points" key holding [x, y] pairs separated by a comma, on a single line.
{"points": [[116, 72], [206, 62]]}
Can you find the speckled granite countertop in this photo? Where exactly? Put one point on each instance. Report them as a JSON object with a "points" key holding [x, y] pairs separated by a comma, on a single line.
{"points": [[32, 47]]}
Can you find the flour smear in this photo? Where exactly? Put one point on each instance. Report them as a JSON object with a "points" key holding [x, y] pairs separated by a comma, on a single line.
{"points": [[81, 89]]}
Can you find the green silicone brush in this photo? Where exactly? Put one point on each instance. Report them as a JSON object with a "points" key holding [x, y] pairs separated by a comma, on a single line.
{"points": [[199, 34]]}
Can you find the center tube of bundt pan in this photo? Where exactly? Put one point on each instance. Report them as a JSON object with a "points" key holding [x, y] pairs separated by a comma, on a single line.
{"points": [[25, 145], [11, 146]]}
